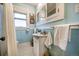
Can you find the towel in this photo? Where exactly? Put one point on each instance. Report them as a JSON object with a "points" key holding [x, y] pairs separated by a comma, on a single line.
{"points": [[61, 36], [48, 41]]}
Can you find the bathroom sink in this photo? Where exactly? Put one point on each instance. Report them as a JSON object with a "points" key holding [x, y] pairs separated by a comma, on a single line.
{"points": [[38, 34]]}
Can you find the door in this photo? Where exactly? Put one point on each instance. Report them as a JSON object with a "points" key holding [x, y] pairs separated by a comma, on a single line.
{"points": [[3, 46], [9, 31]]}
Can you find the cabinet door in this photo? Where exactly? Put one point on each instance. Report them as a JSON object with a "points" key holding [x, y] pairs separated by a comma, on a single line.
{"points": [[60, 10], [42, 48], [56, 11]]}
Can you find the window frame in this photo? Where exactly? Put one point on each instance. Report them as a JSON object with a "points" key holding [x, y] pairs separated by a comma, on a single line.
{"points": [[20, 19]]}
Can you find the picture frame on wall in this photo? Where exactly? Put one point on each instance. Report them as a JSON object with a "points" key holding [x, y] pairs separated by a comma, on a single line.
{"points": [[32, 18]]}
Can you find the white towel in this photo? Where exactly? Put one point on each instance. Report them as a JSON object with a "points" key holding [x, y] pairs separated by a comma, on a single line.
{"points": [[48, 41], [61, 36]]}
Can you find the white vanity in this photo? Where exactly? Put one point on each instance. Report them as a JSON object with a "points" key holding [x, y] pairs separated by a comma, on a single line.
{"points": [[38, 41]]}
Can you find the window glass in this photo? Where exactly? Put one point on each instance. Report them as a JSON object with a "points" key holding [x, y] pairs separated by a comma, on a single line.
{"points": [[20, 20], [19, 15], [20, 23]]}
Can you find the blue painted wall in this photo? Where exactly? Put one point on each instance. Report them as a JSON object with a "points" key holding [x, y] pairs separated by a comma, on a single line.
{"points": [[24, 36], [1, 15]]}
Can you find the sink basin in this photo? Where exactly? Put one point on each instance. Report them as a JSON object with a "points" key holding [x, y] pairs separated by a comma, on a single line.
{"points": [[38, 34]]}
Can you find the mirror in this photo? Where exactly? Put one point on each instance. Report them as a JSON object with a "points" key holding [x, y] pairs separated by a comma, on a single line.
{"points": [[42, 14]]}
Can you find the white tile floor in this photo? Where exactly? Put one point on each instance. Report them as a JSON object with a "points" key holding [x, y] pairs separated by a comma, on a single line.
{"points": [[25, 49]]}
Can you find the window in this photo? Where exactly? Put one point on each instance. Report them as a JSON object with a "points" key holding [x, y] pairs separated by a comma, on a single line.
{"points": [[19, 16], [20, 20], [20, 23]]}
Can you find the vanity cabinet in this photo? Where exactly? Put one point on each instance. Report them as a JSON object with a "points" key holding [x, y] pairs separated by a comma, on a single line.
{"points": [[36, 46], [38, 41]]}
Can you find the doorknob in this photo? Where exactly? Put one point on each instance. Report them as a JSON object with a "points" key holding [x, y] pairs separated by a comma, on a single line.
{"points": [[2, 38]]}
